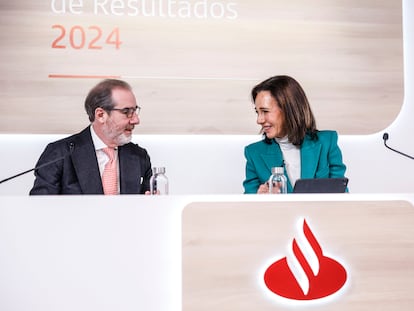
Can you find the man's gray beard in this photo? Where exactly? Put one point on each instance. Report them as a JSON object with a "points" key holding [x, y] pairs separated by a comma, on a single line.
{"points": [[123, 139]]}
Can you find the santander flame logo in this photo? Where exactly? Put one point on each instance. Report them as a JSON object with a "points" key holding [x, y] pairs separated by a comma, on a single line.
{"points": [[305, 273]]}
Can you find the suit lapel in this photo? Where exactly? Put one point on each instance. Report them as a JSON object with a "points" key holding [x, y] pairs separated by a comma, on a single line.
{"points": [[129, 175], [85, 163], [309, 153], [272, 157]]}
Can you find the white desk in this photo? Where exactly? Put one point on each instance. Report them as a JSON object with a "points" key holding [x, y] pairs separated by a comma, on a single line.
{"points": [[126, 252]]}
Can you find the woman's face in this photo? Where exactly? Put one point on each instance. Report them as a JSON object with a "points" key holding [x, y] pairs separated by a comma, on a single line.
{"points": [[269, 115]]}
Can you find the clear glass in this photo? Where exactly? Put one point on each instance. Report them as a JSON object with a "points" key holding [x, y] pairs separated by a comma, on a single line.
{"points": [[158, 181], [277, 181]]}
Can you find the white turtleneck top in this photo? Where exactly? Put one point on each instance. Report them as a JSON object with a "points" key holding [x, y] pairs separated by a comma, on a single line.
{"points": [[291, 157]]}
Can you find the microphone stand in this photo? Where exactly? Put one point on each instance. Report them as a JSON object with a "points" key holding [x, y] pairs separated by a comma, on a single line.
{"points": [[17, 175], [71, 147], [32, 169], [385, 138]]}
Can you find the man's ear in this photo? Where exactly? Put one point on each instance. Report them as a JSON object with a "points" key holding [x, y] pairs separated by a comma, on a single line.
{"points": [[100, 115]]}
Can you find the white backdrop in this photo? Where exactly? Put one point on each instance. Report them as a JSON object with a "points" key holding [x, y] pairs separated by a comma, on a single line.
{"points": [[214, 164]]}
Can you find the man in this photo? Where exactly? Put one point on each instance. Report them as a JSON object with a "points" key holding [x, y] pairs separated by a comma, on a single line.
{"points": [[100, 159]]}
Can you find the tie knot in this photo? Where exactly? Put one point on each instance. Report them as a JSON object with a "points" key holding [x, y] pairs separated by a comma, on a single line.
{"points": [[110, 152]]}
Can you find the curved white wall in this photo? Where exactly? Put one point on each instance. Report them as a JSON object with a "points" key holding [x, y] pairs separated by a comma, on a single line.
{"points": [[372, 167]]}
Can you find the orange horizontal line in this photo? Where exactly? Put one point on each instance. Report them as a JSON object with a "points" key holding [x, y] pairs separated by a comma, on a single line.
{"points": [[64, 76]]}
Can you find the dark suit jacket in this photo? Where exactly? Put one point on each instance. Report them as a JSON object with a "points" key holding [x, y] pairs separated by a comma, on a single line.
{"points": [[78, 171], [320, 158]]}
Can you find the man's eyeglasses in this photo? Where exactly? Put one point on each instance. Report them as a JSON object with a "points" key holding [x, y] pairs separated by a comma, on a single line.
{"points": [[129, 112]]}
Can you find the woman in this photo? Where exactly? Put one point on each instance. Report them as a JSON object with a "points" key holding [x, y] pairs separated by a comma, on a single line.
{"points": [[291, 138]]}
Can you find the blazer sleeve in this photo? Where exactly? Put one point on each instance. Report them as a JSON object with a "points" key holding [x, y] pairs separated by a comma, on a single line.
{"points": [[147, 171], [336, 166], [48, 178], [251, 182]]}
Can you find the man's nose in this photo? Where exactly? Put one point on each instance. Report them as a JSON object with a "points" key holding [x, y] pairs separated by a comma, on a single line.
{"points": [[134, 119]]}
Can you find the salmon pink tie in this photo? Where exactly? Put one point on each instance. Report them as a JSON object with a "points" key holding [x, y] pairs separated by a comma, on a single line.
{"points": [[109, 176]]}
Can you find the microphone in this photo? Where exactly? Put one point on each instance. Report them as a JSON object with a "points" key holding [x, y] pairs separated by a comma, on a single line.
{"points": [[71, 147], [385, 138]]}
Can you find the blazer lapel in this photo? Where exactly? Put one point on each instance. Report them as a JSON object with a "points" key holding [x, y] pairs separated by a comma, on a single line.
{"points": [[309, 154], [85, 163], [273, 156], [129, 175]]}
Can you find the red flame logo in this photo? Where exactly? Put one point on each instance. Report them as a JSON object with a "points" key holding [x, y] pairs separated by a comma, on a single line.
{"points": [[305, 274]]}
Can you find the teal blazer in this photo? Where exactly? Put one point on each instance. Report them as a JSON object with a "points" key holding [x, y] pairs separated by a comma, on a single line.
{"points": [[320, 158]]}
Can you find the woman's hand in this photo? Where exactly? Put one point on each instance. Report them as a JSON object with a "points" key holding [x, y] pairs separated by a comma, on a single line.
{"points": [[263, 189]]}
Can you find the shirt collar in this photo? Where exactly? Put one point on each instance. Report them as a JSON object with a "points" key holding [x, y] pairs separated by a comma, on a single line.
{"points": [[97, 142], [285, 144]]}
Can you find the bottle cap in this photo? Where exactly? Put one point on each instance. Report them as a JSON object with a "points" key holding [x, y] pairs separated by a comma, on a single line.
{"points": [[158, 170], [278, 170]]}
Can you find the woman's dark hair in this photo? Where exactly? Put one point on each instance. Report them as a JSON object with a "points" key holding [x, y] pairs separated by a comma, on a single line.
{"points": [[101, 96], [292, 100]]}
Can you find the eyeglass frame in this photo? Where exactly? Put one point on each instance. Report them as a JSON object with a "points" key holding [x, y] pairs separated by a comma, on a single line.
{"points": [[128, 111]]}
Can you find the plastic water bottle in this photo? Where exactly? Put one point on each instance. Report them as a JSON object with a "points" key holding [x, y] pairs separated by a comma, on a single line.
{"points": [[277, 181], [158, 181]]}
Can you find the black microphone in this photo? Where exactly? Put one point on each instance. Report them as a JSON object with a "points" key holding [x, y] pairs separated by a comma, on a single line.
{"points": [[71, 147], [385, 138]]}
